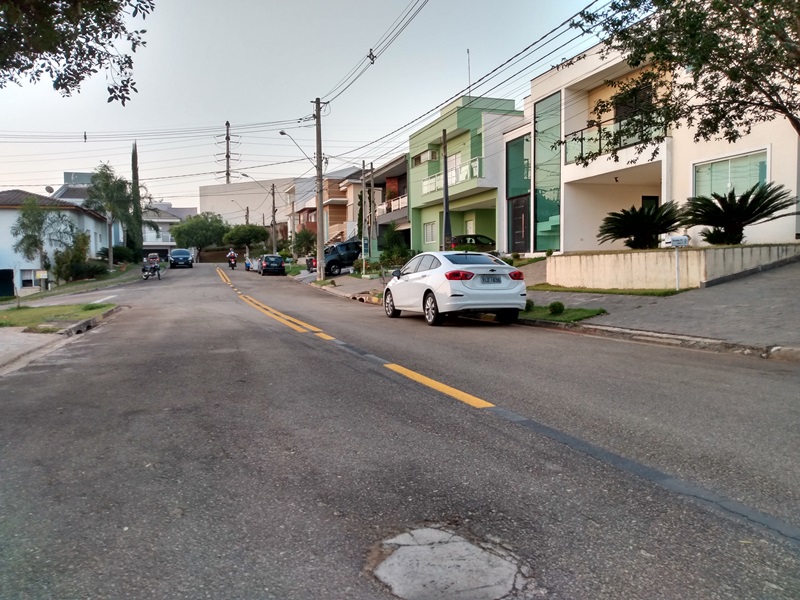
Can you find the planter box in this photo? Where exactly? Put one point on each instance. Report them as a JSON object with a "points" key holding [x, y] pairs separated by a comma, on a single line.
{"points": [[655, 269]]}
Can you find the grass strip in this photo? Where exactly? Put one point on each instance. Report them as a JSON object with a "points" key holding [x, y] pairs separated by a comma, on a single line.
{"points": [[570, 315], [38, 316], [546, 287]]}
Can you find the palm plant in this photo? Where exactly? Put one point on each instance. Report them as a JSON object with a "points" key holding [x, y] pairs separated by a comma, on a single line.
{"points": [[727, 216], [110, 194], [640, 227], [305, 241]]}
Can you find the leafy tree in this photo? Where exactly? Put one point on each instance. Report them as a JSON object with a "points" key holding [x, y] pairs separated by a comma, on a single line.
{"points": [[305, 241], [110, 194], [714, 65], [71, 263], [200, 231], [246, 235], [70, 40], [37, 226], [727, 215], [640, 227]]}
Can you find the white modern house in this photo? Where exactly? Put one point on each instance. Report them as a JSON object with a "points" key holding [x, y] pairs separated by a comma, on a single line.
{"points": [[248, 201], [569, 201], [19, 276]]}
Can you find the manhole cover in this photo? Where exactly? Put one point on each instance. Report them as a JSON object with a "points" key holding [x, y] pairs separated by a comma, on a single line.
{"points": [[434, 564]]}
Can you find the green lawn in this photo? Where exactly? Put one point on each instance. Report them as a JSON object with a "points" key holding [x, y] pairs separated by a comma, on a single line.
{"points": [[570, 315], [56, 316], [545, 287]]}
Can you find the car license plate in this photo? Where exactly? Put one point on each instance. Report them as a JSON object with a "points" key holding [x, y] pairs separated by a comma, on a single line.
{"points": [[490, 279]]}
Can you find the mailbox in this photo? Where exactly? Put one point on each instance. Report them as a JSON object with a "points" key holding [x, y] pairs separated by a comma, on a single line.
{"points": [[679, 241]]}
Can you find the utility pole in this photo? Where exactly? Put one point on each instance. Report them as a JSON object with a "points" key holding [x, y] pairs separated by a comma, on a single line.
{"points": [[320, 216], [227, 152], [373, 219], [364, 230], [247, 215], [448, 233], [274, 241]]}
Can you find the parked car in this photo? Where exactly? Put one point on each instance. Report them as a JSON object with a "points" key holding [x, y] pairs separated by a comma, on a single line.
{"points": [[180, 257], [337, 256], [271, 263], [450, 283], [480, 243]]}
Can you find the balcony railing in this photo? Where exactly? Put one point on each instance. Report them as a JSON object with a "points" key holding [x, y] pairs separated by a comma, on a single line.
{"points": [[596, 139], [151, 237], [391, 205], [470, 170]]}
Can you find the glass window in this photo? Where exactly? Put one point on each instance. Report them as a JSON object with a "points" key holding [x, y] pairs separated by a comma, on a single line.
{"points": [[547, 173], [468, 258], [430, 232], [411, 266], [427, 263], [738, 173], [518, 167]]}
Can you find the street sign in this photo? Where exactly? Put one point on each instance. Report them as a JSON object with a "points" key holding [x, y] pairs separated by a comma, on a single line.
{"points": [[679, 241]]}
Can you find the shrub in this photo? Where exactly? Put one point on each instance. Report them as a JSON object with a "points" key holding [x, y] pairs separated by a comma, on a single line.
{"points": [[528, 305], [548, 253], [121, 254], [515, 255], [555, 308]]}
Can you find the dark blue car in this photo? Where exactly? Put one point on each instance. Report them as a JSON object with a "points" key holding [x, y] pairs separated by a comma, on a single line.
{"points": [[180, 258]]}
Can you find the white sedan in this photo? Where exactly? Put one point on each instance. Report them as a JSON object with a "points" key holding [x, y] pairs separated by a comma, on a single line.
{"points": [[441, 283]]}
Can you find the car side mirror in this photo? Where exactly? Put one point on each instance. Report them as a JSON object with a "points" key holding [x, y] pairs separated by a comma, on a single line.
{"points": [[396, 273]]}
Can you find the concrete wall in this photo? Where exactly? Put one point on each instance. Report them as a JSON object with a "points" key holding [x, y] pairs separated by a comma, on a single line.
{"points": [[655, 269]]}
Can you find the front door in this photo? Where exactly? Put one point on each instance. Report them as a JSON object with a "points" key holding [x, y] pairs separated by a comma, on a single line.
{"points": [[520, 224], [6, 282]]}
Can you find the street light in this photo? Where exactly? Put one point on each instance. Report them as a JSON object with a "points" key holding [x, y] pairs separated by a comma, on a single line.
{"points": [[272, 223], [318, 165]]}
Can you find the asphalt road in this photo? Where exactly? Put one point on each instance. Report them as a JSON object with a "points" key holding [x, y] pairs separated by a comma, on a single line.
{"points": [[195, 447]]}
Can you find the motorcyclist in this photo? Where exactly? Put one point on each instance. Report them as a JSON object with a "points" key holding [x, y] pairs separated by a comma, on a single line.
{"points": [[231, 254], [153, 261]]}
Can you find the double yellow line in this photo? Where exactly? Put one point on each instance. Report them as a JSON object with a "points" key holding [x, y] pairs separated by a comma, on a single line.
{"points": [[303, 327]]}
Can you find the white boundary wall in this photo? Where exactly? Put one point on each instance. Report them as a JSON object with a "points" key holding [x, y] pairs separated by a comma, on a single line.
{"points": [[655, 269]]}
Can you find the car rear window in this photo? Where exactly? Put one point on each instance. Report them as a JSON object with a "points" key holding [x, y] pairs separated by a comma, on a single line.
{"points": [[470, 258]]}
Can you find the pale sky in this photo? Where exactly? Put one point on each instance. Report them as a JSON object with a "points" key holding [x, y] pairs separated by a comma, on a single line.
{"points": [[258, 62]]}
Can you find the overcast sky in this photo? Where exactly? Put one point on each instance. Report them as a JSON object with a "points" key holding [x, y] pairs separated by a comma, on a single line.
{"points": [[259, 64]]}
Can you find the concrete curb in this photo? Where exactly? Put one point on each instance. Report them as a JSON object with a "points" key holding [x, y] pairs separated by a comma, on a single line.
{"points": [[87, 324], [783, 353]]}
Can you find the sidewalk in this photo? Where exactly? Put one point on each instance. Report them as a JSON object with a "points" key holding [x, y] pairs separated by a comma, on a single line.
{"points": [[756, 315]]}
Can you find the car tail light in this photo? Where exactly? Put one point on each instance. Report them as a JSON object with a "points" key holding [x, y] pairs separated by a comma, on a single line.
{"points": [[263, 263], [459, 275], [517, 275]]}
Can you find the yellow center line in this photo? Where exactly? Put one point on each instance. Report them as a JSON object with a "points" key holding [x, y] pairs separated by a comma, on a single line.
{"points": [[289, 324], [286, 317], [223, 276], [440, 387]]}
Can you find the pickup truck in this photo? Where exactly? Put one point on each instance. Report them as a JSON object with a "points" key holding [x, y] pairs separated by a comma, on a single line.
{"points": [[337, 256]]}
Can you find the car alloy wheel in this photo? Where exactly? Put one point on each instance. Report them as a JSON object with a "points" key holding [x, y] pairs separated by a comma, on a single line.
{"points": [[335, 269], [388, 306], [432, 315]]}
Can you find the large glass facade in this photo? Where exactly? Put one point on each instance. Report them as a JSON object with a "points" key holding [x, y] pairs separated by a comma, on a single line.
{"points": [[518, 167], [738, 173], [547, 173]]}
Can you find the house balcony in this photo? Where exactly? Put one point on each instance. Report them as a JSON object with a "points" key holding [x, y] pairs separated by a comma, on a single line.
{"points": [[469, 171], [594, 139], [151, 237], [391, 205]]}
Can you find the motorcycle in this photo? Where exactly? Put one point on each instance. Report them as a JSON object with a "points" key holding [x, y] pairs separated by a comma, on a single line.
{"points": [[149, 271], [232, 263]]}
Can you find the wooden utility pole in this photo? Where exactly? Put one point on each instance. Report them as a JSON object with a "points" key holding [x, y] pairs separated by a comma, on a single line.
{"points": [[274, 241], [373, 218], [227, 152], [320, 216], [448, 233]]}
